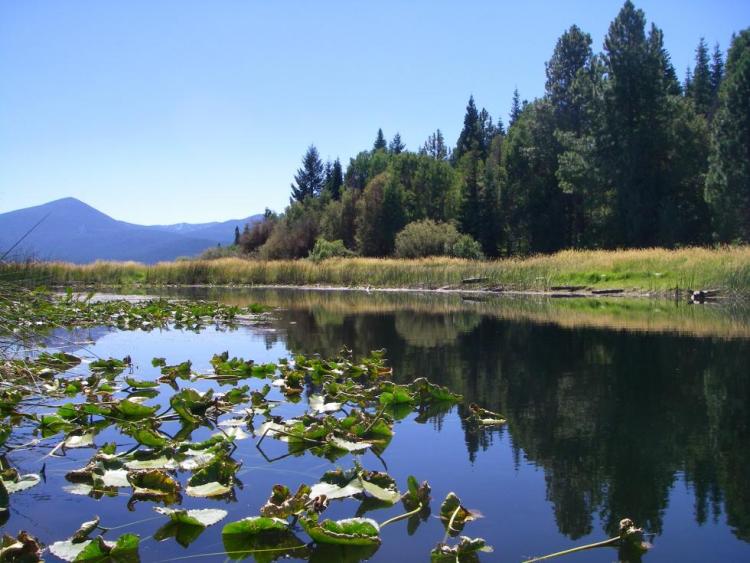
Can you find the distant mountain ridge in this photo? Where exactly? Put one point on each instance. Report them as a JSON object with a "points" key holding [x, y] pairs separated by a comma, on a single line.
{"points": [[73, 231]]}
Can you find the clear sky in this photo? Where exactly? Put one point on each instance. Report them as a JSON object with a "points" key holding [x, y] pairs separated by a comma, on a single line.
{"points": [[160, 111]]}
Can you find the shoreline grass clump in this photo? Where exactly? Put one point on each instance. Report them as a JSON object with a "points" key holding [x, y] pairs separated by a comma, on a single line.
{"points": [[654, 271]]}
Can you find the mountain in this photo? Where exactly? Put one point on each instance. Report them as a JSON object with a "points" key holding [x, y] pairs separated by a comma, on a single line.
{"points": [[220, 232], [73, 231]]}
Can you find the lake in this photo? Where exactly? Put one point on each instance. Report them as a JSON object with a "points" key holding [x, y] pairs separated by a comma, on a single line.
{"points": [[615, 408]]}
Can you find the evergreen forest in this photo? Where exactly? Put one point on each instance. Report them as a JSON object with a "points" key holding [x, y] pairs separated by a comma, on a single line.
{"points": [[619, 152]]}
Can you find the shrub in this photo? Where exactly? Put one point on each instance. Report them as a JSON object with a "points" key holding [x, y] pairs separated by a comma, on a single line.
{"points": [[256, 236], [216, 252], [467, 247], [428, 238], [325, 249], [295, 234]]}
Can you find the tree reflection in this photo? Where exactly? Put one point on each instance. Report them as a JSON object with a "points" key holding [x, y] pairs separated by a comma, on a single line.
{"points": [[611, 416]]}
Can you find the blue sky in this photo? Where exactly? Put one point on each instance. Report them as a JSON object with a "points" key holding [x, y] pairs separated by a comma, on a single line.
{"points": [[164, 111]]}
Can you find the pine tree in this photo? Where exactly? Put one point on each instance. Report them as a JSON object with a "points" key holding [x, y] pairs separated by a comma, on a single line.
{"points": [[636, 116], [334, 179], [471, 134], [392, 218], [435, 147], [236, 236], [486, 132], [571, 56], [490, 218], [515, 108], [396, 146], [380, 142], [309, 179], [717, 74], [701, 90], [687, 86], [469, 214], [499, 127], [728, 181]]}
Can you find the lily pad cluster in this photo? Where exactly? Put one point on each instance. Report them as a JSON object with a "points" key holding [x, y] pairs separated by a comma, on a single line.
{"points": [[352, 407], [27, 313]]}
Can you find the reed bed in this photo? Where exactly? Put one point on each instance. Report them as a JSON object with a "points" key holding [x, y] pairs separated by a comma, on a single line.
{"points": [[643, 270]]}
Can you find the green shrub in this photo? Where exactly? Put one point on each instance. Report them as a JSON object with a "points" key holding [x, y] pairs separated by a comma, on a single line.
{"points": [[428, 238], [467, 247], [294, 234], [325, 249], [216, 252]]}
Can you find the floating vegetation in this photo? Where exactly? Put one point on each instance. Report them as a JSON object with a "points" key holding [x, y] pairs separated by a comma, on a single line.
{"points": [[62, 402], [26, 313]]}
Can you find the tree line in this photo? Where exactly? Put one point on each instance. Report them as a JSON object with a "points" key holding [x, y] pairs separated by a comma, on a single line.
{"points": [[617, 153]]}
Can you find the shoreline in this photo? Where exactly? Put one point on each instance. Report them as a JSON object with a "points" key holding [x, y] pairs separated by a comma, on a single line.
{"points": [[587, 293], [646, 273]]}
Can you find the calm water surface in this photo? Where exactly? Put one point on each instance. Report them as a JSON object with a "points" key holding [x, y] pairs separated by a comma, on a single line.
{"points": [[615, 409]]}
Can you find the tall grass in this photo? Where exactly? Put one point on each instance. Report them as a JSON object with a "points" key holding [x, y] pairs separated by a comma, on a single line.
{"points": [[645, 270]]}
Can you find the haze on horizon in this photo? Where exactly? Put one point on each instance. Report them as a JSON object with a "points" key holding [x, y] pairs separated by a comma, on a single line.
{"points": [[186, 111]]}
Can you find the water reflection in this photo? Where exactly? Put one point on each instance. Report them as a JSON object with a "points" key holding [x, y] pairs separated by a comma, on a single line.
{"points": [[613, 400]]}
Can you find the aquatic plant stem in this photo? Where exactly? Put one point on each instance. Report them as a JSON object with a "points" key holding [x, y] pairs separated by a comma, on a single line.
{"points": [[450, 524], [605, 543], [402, 516]]}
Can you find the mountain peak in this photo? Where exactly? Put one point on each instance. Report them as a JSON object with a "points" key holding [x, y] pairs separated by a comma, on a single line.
{"points": [[70, 229]]}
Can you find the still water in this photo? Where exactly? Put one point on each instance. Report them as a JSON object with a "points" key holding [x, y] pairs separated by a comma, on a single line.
{"points": [[615, 409]]}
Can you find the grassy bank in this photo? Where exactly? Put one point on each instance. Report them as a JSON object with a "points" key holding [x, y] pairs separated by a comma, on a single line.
{"points": [[648, 270]]}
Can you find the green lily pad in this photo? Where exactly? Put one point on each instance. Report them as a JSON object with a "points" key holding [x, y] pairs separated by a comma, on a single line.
{"points": [[266, 539], [199, 517], [350, 531], [147, 436], [97, 550], [220, 470], [186, 525], [416, 494], [453, 514], [140, 383], [466, 551], [124, 550], [131, 410], [190, 404], [153, 483]]}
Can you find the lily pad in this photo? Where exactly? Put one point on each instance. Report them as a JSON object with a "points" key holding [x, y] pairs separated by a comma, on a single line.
{"points": [[283, 504], [453, 514], [85, 529], [190, 404], [22, 483], [23, 548], [199, 517], [131, 410], [186, 525], [416, 494], [466, 551], [140, 383], [124, 550], [266, 539], [350, 531], [485, 417], [206, 490], [153, 483]]}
